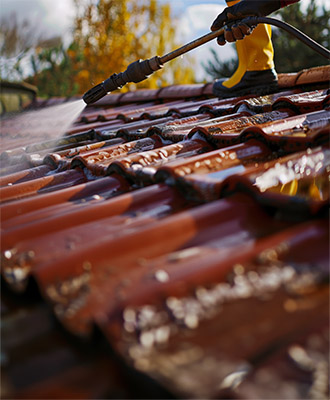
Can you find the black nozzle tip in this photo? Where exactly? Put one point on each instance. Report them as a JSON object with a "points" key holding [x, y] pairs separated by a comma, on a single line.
{"points": [[94, 94]]}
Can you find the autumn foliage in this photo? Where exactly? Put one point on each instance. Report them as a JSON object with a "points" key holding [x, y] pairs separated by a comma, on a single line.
{"points": [[110, 34], [107, 36]]}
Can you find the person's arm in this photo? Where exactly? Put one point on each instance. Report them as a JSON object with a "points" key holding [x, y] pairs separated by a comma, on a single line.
{"points": [[244, 8], [285, 3]]}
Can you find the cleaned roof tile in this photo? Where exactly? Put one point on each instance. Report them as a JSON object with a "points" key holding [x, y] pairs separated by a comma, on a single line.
{"points": [[163, 217]]}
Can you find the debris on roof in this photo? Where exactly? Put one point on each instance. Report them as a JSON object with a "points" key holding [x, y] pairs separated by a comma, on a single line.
{"points": [[190, 232]]}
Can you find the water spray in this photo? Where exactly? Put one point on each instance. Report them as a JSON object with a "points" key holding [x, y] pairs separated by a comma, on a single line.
{"points": [[140, 70]]}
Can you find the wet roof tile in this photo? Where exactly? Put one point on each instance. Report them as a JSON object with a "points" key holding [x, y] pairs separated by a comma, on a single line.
{"points": [[312, 75], [163, 217], [181, 91], [287, 370], [204, 330], [307, 76]]}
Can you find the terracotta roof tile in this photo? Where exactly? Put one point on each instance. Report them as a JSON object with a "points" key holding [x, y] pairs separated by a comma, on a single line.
{"points": [[25, 175], [304, 102], [286, 371], [163, 217], [70, 197], [181, 91], [308, 76], [312, 75], [142, 166], [44, 184], [139, 95], [112, 99], [287, 80], [178, 324]]}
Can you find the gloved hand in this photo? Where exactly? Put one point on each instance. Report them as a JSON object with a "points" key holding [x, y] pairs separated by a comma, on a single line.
{"points": [[244, 8]]}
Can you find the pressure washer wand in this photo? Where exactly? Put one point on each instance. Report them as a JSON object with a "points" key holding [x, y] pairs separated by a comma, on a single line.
{"points": [[142, 69]]}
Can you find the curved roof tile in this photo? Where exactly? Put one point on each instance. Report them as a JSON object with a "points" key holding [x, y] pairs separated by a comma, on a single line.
{"points": [[190, 230]]}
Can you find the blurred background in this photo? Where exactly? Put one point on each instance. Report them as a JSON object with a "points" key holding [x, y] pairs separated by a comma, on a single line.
{"points": [[64, 47]]}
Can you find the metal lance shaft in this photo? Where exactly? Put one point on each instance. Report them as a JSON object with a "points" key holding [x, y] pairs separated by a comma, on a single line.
{"points": [[136, 72], [141, 70]]}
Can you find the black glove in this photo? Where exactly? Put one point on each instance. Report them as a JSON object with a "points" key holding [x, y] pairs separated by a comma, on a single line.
{"points": [[244, 8]]}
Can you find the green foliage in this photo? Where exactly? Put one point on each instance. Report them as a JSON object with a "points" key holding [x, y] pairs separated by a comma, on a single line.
{"points": [[220, 69], [52, 72], [292, 55]]}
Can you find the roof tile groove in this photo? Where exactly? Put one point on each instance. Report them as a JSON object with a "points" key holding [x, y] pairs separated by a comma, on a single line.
{"points": [[57, 181], [25, 175], [175, 336], [298, 181], [197, 226], [84, 192], [162, 218], [159, 156], [107, 154]]}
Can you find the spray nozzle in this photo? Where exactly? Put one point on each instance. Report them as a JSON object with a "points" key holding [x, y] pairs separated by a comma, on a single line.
{"points": [[94, 94], [135, 72]]}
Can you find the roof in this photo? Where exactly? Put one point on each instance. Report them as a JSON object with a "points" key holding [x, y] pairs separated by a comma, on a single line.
{"points": [[15, 97], [179, 240]]}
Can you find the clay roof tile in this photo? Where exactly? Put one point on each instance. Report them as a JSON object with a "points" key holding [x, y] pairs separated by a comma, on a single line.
{"points": [[191, 231]]}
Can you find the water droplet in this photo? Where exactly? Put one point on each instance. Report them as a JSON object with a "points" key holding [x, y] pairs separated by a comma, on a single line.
{"points": [[191, 321], [8, 254], [87, 266], [238, 269], [129, 315], [161, 276], [162, 334], [147, 339], [290, 306]]}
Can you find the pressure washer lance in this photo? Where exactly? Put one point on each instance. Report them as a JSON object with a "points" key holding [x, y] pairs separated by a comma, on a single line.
{"points": [[140, 70]]}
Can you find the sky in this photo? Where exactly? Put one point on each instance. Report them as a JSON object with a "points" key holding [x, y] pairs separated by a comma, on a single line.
{"points": [[195, 18]]}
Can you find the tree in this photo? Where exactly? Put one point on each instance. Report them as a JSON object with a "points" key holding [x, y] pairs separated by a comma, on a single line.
{"points": [[108, 35], [290, 54], [220, 69], [18, 39], [111, 34], [53, 71]]}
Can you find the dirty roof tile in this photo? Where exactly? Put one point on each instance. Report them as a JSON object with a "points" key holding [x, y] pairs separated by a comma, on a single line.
{"points": [[212, 223], [313, 75], [203, 330], [163, 217], [291, 371]]}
